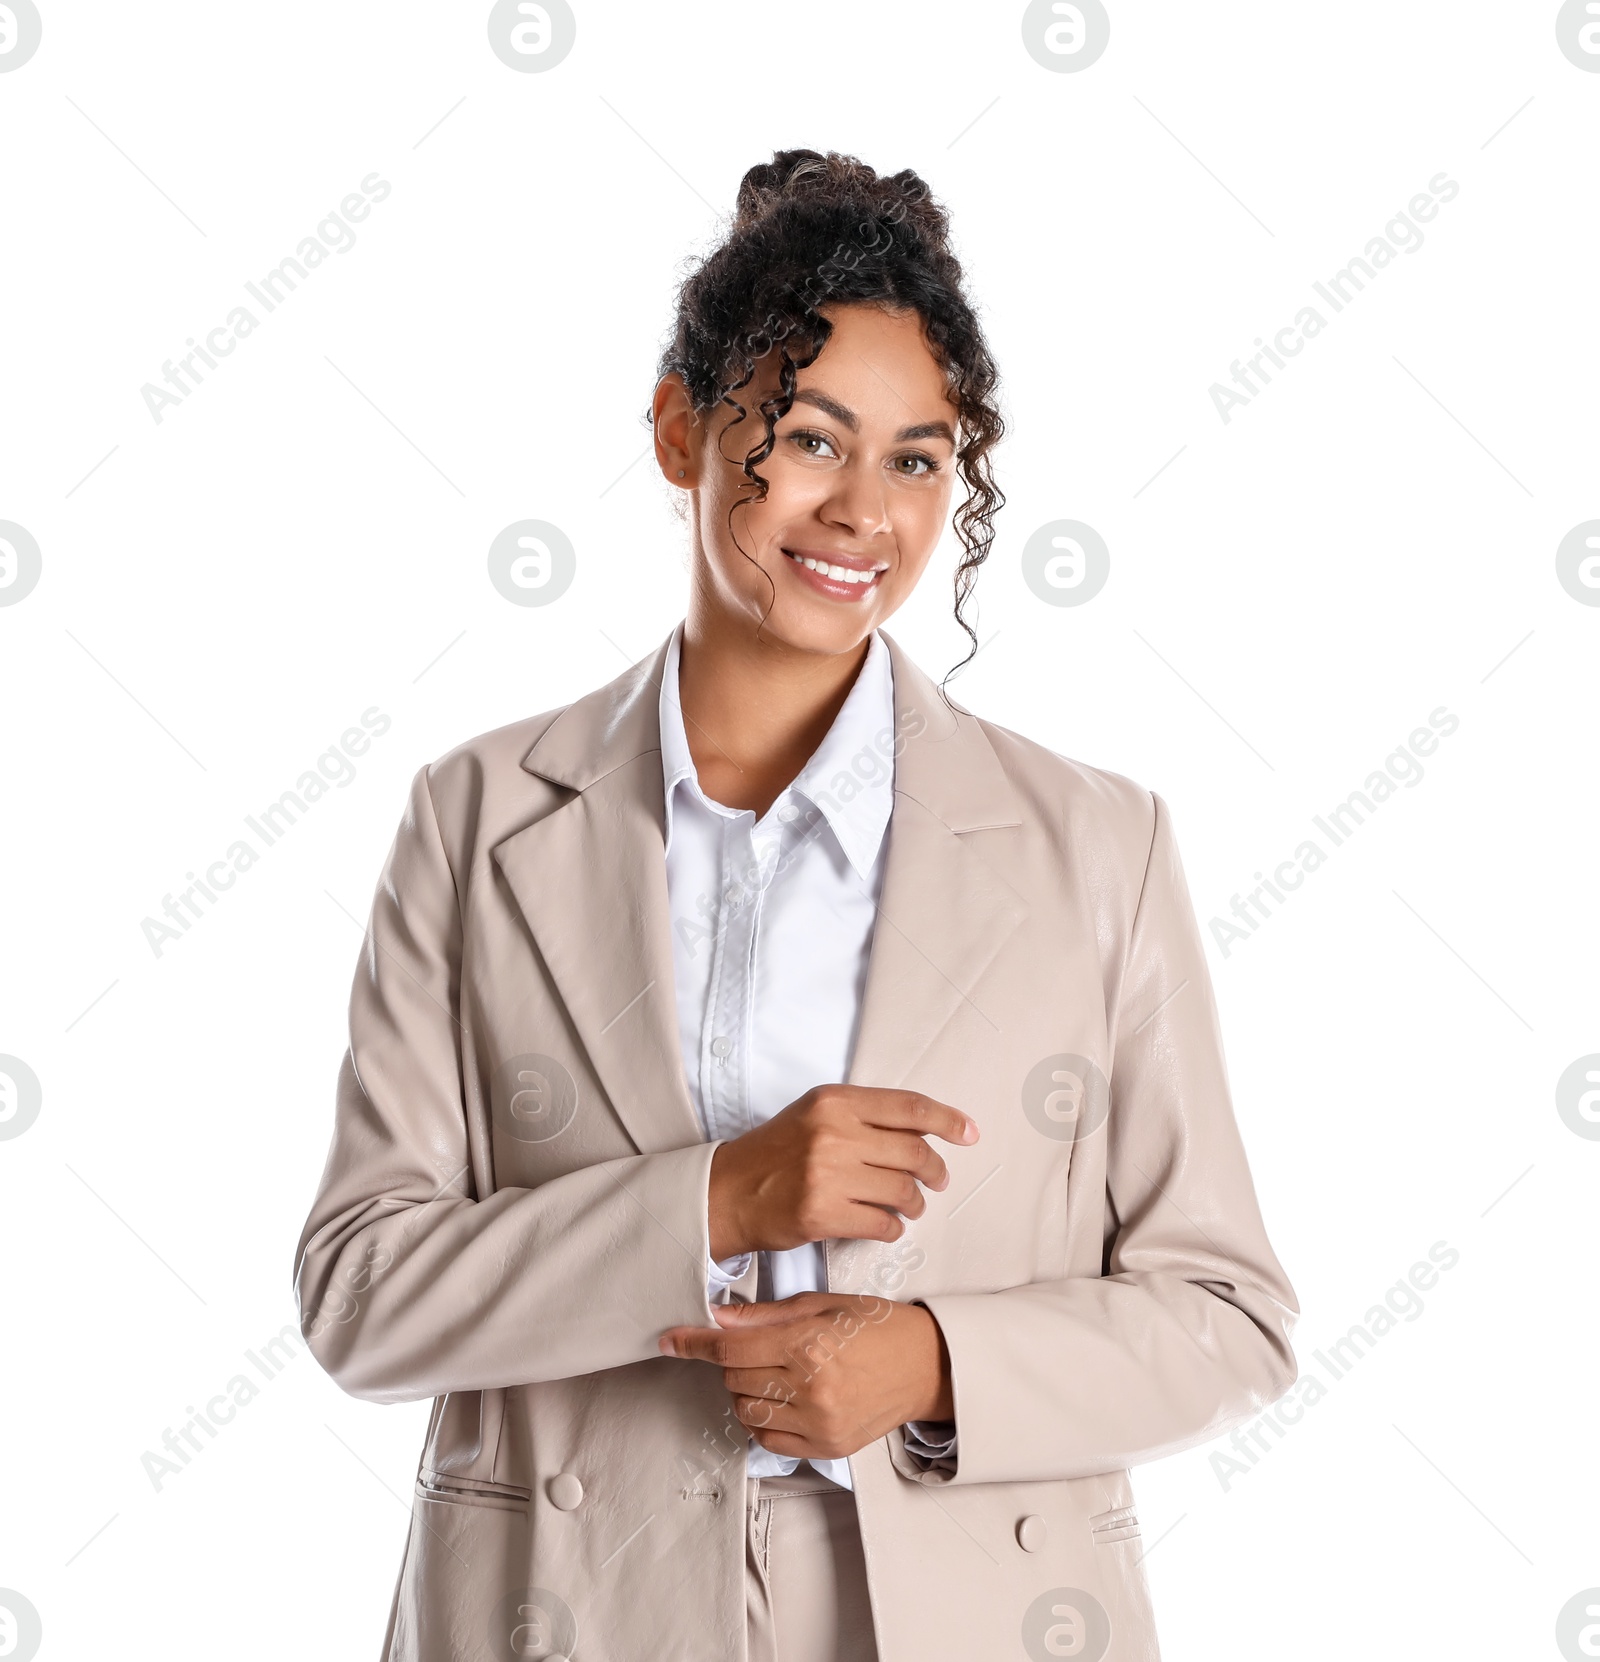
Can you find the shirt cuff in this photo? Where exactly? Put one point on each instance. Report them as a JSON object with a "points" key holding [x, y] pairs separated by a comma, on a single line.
{"points": [[723, 1274], [931, 1439]]}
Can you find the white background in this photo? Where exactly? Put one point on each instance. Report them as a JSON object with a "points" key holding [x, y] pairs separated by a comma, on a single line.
{"points": [[225, 591]]}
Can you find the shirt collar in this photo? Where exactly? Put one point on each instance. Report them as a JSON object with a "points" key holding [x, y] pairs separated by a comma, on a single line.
{"points": [[850, 777]]}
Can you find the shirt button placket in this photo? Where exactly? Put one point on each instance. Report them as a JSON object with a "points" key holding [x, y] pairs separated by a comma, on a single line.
{"points": [[725, 1011], [714, 1048]]}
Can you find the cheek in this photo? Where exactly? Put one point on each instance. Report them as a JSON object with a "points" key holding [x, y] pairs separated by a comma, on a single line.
{"points": [[793, 497], [792, 493], [919, 518]]}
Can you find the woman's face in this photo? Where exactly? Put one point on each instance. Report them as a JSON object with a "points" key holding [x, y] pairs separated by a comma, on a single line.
{"points": [[860, 477]]}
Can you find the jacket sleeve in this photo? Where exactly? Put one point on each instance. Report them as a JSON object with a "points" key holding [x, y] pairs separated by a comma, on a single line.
{"points": [[408, 1284], [1187, 1330]]}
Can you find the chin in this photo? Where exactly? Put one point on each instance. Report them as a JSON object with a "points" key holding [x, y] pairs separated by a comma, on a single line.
{"points": [[820, 621], [828, 636]]}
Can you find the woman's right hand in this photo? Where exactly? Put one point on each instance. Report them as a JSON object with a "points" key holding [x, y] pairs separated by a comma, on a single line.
{"points": [[843, 1162]]}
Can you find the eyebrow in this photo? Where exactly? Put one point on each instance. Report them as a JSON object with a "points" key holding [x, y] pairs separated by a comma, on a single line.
{"points": [[846, 417]]}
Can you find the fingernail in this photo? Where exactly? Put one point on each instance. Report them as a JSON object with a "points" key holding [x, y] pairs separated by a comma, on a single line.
{"points": [[664, 1345], [972, 1131]]}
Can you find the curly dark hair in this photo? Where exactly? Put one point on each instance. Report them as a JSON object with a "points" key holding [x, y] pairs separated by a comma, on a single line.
{"points": [[811, 230]]}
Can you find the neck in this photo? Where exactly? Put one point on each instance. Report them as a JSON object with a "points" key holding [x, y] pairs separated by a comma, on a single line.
{"points": [[755, 710]]}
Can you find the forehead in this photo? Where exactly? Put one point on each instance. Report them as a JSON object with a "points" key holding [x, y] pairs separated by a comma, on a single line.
{"points": [[879, 365]]}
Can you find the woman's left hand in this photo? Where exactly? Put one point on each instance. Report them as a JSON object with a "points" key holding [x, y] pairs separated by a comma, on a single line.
{"points": [[821, 1375]]}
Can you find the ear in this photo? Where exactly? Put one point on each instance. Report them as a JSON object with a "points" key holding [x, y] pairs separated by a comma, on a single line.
{"points": [[677, 432]]}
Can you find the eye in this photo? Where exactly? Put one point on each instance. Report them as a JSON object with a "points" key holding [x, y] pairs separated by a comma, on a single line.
{"points": [[929, 465], [806, 436]]}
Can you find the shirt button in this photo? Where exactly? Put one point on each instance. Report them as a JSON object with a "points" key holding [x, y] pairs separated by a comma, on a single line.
{"points": [[1032, 1533], [788, 812], [720, 1047]]}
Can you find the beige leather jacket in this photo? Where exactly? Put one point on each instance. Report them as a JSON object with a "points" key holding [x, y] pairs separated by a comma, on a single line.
{"points": [[514, 1205]]}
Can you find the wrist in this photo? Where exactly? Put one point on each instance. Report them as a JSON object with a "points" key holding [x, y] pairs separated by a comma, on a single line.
{"points": [[724, 1230], [935, 1397]]}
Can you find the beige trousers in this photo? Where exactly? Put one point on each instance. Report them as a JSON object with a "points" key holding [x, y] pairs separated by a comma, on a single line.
{"points": [[805, 1579]]}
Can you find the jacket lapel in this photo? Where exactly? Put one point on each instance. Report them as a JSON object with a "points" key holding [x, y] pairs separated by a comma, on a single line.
{"points": [[945, 914], [946, 911], [590, 881]]}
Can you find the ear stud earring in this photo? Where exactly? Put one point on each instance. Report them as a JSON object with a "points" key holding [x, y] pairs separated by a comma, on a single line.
{"points": [[680, 472]]}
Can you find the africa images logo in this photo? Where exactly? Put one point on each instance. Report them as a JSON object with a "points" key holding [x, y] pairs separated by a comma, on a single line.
{"points": [[20, 33], [20, 562]]}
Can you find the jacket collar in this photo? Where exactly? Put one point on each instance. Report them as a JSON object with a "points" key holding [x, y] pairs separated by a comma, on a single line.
{"points": [[946, 763], [590, 881]]}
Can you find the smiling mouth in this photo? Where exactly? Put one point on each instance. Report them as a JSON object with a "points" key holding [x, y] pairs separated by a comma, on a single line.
{"points": [[835, 574]]}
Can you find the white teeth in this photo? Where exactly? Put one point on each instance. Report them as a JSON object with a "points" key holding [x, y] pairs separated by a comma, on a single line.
{"points": [[839, 574]]}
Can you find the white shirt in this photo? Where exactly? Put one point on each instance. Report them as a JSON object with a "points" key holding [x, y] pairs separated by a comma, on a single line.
{"points": [[772, 924]]}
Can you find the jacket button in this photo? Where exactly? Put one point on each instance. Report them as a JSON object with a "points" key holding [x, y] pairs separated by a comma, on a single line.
{"points": [[565, 1491], [1032, 1533]]}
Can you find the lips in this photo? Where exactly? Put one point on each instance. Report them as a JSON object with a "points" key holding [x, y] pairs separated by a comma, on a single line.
{"points": [[837, 571]]}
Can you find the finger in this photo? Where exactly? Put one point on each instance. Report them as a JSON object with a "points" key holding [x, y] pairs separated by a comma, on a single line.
{"points": [[766, 1416], [907, 1152], [687, 1342], [912, 1111], [761, 1346], [895, 1191], [786, 1443], [766, 1312], [769, 1384], [869, 1223]]}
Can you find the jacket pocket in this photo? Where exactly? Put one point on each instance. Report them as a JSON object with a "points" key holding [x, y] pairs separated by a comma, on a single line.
{"points": [[455, 1490], [1121, 1523], [466, 1554]]}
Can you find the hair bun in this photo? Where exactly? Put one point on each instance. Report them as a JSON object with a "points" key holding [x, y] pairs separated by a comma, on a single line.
{"points": [[796, 175], [767, 181]]}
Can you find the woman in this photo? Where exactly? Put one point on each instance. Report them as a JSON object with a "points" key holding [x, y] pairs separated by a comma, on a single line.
{"points": [[785, 1125]]}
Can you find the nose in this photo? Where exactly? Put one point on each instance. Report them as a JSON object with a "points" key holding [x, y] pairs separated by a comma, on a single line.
{"points": [[858, 502]]}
